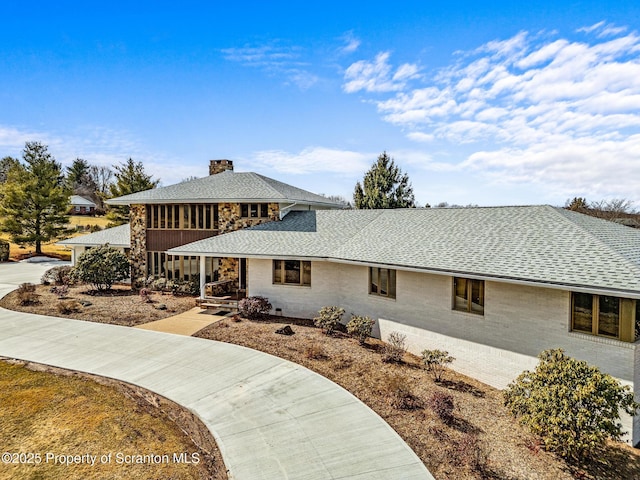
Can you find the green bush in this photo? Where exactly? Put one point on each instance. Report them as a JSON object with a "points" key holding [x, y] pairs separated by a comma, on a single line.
{"points": [[572, 406], [436, 362], [329, 318], [101, 267], [360, 327]]}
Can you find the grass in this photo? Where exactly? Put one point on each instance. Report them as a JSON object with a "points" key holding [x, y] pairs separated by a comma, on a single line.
{"points": [[46, 415], [16, 251]]}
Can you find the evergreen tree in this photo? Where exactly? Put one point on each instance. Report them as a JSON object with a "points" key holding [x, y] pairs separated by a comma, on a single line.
{"points": [[385, 186], [130, 178], [5, 165], [34, 200], [80, 181]]}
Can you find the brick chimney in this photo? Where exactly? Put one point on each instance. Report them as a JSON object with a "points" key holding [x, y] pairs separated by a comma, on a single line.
{"points": [[219, 166]]}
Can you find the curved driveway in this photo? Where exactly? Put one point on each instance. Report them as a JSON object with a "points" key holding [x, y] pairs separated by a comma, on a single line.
{"points": [[272, 419]]}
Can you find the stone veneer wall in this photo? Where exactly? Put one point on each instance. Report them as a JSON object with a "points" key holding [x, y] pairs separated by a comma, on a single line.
{"points": [[138, 252], [229, 219]]}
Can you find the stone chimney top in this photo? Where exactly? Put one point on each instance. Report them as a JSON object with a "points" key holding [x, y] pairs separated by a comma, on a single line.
{"points": [[219, 166]]}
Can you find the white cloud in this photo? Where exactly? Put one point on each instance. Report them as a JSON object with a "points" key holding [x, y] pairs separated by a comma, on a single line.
{"points": [[377, 76], [603, 29], [351, 43], [559, 112], [313, 160]]}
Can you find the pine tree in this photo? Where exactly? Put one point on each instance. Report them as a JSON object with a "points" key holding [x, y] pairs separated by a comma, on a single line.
{"points": [[130, 178], [34, 200], [385, 186]]}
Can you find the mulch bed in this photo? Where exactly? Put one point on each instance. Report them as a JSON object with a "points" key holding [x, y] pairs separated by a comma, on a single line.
{"points": [[480, 441], [118, 306]]}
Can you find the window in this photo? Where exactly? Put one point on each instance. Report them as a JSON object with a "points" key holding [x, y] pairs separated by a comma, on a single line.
{"points": [[596, 314], [254, 210], [292, 272], [186, 217], [468, 295], [382, 282]]}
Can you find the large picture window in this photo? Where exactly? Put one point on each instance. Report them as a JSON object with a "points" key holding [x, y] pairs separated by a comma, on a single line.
{"points": [[292, 272], [382, 282], [468, 295], [182, 217]]}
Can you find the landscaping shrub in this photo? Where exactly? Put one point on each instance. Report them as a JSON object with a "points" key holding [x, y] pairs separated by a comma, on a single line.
{"points": [[182, 287], [145, 295], [329, 318], [436, 362], [315, 351], [27, 294], [69, 306], [4, 251], [254, 307], [101, 267], [471, 453], [398, 392], [60, 275], [360, 327], [394, 349], [60, 290], [442, 405], [571, 405]]}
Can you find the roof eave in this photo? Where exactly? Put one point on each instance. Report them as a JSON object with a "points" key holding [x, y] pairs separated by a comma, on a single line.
{"points": [[584, 288]]}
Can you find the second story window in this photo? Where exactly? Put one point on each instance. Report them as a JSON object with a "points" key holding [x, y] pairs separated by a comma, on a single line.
{"points": [[254, 210], [182, 217]]}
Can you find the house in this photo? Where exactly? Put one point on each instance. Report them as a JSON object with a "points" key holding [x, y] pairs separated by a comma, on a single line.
{"points": [[494, 286], [222, 202], [81, 206]]}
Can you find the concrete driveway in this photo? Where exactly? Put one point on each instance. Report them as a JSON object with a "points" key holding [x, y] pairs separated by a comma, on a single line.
{"points": [[272, 419]]}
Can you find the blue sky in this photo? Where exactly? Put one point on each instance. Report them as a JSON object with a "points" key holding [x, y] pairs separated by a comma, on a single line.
{"points": [[488, 103]]}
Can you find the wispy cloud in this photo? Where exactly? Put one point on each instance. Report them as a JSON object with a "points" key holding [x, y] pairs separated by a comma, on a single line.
{"points": [[313, 160], [351, 43], [283, 61], [561, 112], [378, 75], [603, 29], [99, 146]]}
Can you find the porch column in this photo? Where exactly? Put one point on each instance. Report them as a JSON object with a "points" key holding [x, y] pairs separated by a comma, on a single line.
{"points": [[203, 274]]}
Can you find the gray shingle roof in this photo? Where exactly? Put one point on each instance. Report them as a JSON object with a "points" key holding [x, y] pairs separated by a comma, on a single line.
{"points": [[539, 244], [78, 200], [228, 186], [116, 237]]}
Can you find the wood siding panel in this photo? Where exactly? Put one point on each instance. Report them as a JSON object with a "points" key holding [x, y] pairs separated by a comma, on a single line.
{"points": [[161, 240]]}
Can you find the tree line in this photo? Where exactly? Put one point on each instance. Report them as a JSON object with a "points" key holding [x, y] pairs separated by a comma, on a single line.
{"points": [[35, 192]]}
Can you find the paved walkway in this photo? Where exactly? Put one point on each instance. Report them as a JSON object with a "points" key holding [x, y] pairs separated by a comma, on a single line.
{"points": [[186, 323], [272, 419]]}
